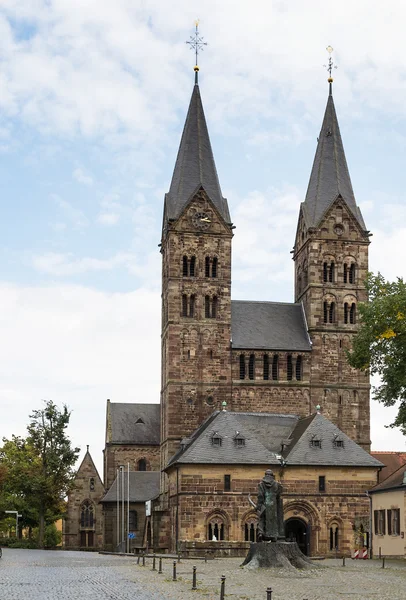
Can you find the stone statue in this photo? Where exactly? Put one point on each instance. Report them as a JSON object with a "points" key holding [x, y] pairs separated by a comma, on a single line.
{"points": [[269, 508]]}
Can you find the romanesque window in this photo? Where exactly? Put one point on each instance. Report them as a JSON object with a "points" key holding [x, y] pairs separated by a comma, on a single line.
{"points": [[185, 269], [393, 516], [142, 464], [346, 312], [328, 272], [91, 484], [242, 366], [251, 366], [192, 266], [289, 367], [207, 266], [207, 307], [214, 307], [184, 305], [275, 367], [210, 307], [349, 273], [328, 312], [299, 367], [188, 305], [87, 515], [352, 313], [210, 266], [322, 483], [216, 529], [189, 266], [251, 530], [133, 520], [334, 537], [214, 267], [266, 367], [192, 301]]}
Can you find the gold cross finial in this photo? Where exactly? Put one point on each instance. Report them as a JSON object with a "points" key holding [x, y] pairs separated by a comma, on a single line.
{"points": [[196, 43]]}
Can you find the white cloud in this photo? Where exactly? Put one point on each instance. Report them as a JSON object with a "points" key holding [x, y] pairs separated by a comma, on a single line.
{"points": [[108, 218], [80, 176]]}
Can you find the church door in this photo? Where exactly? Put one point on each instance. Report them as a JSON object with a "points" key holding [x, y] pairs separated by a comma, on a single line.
{"points": [[298, 531]]}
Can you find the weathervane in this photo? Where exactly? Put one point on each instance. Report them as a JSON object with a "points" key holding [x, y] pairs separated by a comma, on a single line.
{"points": [[330, 66], [196, 43]]}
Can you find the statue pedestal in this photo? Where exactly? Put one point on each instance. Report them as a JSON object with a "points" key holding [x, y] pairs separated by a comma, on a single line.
{"points": [[263, 555]]}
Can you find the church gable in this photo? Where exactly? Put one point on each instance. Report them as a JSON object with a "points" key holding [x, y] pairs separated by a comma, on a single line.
{"points": [[134, 423], [338, 222]]}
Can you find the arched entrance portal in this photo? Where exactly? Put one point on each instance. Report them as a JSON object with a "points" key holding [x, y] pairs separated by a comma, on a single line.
{"points": [[299, 531]]}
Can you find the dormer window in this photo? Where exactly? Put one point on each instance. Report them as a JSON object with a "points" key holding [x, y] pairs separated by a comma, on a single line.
{"points": [[216, 440], [239, 440], [338, 442], [139, 421], [315, 442]]}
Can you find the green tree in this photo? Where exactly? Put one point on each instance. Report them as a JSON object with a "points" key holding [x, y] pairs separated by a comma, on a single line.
{"points": [[39, 469], [380, 344]]}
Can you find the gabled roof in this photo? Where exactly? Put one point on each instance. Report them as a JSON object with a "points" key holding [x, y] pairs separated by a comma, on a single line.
{"points": [[391, 460], [267, 438], [133, 423], [195, 166], [330, 177], [301, 452], [144, 485], [88, 460], [269, 326], [394, 481]]}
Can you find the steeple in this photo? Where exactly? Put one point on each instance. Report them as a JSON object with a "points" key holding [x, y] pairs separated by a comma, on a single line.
{"points": [[330, 177], [195, 167]]}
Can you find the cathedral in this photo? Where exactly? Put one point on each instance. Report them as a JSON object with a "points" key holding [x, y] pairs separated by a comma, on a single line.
{"points": [[245, 386]]}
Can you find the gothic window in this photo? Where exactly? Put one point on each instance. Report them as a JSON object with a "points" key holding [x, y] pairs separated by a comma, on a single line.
{"points": [[184, 305], [216, 529], [192, 266], [251, 366], [133, 520], [289, 367], [266, 367], [334, 537], [192, 305], [214, 307], [242, 366], [87, 515], [185, 267], [207, 307], [91, 484], [207, 266], [214, 267], [142, 464], [299, 368], [275, 367], [352, 313]]}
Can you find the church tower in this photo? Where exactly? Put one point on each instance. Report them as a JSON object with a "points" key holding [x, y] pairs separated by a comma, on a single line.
{"points": [[331, 264], [196, 287]]}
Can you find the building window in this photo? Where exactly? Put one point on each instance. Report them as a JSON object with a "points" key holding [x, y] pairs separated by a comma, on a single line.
{"points": [[214, 267], [216, 529], [242, 366], [251, 366], [289, 367], [379, 522], [207, 266], [393, 516], [266, 367], [142, 464], [349, 273], [322, 483], [328, 272], [133, 520], [185, 267], [315, 443], [184, 305], [299, 364], [207, 307], [227, 483], [214, 307], [188, 266], [275, 367], [91, 484], [87, 515], [345, 313], [192, 266], [216, 440], [352, 313], [239, 442], [334, 537], [250, 530], [337, 441], [329, 312], [192, 305]]}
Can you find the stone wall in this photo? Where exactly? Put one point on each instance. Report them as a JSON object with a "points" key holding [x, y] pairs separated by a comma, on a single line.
{"points": [[117, 454]]}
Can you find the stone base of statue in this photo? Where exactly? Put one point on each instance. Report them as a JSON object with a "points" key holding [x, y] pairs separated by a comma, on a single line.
{"points": [[281, 554]]}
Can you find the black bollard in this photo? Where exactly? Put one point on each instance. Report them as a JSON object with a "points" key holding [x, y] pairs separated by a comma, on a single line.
{"points": [[383, 562], [223, 587], [268, 593], [194, 586], [143, 560], [380, 554], [160, 566], [138, 559], [174, 570], [153, 562], [343, 561]]}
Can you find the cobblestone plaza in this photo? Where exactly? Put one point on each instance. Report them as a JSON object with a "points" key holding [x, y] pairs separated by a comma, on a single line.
{"points": [[60, 575]]}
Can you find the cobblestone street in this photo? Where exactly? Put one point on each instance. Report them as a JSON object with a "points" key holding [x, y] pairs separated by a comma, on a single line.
{"points": [[47, 575]]}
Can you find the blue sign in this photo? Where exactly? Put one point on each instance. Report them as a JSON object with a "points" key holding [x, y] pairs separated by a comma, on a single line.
{"points": [[131, 536]]}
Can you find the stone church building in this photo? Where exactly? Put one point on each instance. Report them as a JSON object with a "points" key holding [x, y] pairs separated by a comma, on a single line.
{"points": [[247, 386]]}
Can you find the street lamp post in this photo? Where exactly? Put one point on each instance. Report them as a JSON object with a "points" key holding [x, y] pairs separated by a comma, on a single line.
{"points": [[18, 516]]}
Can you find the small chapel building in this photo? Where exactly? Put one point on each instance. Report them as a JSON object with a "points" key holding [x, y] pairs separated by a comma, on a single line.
{"points": [[248, 386]]}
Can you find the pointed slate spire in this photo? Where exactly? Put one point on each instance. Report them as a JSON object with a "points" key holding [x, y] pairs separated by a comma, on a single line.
{"points": [[195, 166], [330, 177]]}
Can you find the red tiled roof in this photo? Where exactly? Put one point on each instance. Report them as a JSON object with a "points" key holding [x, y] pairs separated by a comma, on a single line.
{"points": [[392, 462]]}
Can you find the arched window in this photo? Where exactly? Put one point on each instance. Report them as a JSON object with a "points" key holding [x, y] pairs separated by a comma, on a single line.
{"points": [[251, 367], [91, 484], [299, 365], [251, 529], [192, 305], [207, 266], [207, 307], [351, 274], [214, 267], [214, 307], [352, 313], [142, 464], [328, 272], [185, 267], [242, 366], [216, 529], [334, 536], [184, 305], [210, 307], [331, 312], [266, 367], [188, 266], [345, 312], [192, 266], [87, 515], [289, 367], [275, 367]]}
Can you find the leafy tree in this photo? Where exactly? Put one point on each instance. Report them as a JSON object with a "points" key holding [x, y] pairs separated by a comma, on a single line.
{"points": [[380, 344], [39, 468]]}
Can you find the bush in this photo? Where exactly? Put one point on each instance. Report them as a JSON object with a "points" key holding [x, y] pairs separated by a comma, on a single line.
{"points": [[23, 543], [52, 536]]}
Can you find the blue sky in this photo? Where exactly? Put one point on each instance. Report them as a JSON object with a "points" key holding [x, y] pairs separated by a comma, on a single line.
{"points": [[93, 97]]}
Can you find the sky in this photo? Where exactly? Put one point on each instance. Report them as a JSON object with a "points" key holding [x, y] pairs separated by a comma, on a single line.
{"points": [[93, 98]]}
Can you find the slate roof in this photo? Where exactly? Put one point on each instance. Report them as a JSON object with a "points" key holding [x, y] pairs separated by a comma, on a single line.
{"points": [[269, 326], [394, 481], [329, 177], [195, 166], [144, 485], [124, 429], [264, 434]]}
